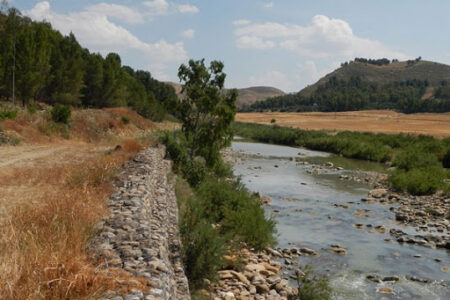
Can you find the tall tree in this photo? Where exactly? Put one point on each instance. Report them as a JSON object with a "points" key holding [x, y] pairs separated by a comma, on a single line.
{"points": [[206, 112]]}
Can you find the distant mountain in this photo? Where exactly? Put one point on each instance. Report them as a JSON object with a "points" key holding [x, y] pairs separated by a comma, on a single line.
{"points": [[409, 86], [250, 95], [246, 96]]}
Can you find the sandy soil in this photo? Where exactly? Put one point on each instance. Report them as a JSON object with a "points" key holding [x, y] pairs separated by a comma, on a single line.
{"points": [[366, 121]]}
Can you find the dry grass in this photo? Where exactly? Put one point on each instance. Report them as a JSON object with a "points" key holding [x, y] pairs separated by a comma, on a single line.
{"points": [[42, 244], [381, 121], [53, 190]]}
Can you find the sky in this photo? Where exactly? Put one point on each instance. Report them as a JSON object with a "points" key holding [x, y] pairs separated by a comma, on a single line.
{"points": [[287, 44]]}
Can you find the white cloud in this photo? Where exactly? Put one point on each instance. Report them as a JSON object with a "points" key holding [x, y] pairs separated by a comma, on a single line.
{"points": [[189, 33], [254, 42], [120, 12], [187, 9], [322, 38], [94, 30], [163, 7], [269, 5], [158, 7], [241, 22]]}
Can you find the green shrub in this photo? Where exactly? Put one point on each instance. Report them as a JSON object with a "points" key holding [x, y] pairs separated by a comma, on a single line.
{"points": [[31, 108], [203, 251], [61, 113], [194, 171], [7, 114], [203, 246], [414, 158], [423, 181], [222, 169], [312, 286], [239, 213], [125, 120]]}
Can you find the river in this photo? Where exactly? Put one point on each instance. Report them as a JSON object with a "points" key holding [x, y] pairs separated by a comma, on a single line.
{"points": [[314, 208]]}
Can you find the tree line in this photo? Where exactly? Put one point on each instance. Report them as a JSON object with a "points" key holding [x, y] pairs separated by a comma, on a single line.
{"points": [[356, 94], [38, 63]]}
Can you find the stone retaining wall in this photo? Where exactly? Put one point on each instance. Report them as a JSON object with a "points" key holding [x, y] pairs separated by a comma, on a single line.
{"points": [[141, 233]]}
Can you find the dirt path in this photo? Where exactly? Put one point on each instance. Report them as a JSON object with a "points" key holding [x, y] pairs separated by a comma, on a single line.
{"points": [[21, 156]]}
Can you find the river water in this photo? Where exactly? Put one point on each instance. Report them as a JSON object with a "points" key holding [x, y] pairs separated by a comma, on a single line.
{"points": [[318, 209]]}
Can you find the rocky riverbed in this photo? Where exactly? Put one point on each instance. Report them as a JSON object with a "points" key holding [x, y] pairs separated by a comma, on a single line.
{"points": [[350, 218], [253, 275]]}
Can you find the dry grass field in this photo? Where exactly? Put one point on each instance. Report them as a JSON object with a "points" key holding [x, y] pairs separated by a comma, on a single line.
{"points": [[381, 121], [53, 188]]}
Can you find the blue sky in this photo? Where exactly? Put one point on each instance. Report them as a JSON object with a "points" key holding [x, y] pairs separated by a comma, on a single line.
{"points": [[286, 43]]}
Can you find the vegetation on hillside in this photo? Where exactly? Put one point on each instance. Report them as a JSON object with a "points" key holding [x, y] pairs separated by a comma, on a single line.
{"points": [[356, 94], [371, 84], [420, 161], [216, 212], [38, 63]]}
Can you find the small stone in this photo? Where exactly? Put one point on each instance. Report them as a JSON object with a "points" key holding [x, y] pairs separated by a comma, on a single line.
{"points": [[262, 289], [385, 290]]}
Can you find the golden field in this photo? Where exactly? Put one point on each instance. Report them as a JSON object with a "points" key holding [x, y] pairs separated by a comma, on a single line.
{"points": [[380, 121]]}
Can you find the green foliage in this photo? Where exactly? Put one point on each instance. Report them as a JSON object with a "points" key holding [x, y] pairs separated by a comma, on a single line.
{"points": [[446, 159], [313, 286], [418, 171], [206, 112], [125, 120], [423, 181], [218, 216], [31, 108], [415, 158], [61, 113], [53, 68], [195, 170], [6, 114], [203, 246]]}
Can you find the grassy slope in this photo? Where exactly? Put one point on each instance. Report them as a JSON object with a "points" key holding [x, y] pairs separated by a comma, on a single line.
{"points": [[423, 70]]}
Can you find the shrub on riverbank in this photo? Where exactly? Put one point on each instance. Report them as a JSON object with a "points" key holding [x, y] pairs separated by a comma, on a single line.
{"points": [[419, 159], [216, 213], [313, 286]]}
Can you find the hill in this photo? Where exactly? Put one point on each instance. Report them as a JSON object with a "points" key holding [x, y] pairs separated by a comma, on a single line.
{"points": [[409, 86], [422, 70], [250, 95], [246, 96]]}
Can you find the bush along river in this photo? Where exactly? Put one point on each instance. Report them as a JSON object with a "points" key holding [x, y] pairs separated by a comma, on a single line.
{"points": [[336, 215]]}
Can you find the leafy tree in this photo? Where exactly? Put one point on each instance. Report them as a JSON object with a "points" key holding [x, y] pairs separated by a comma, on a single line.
{"points": [[206, 112], [93, 79]]}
